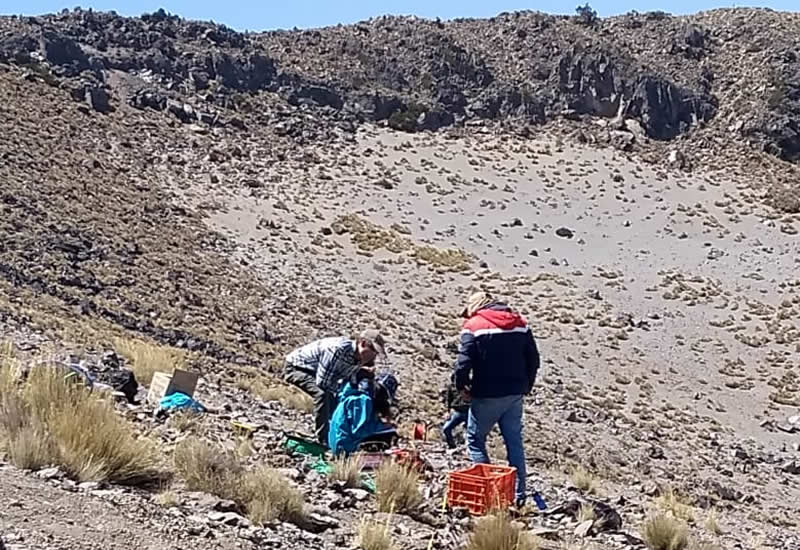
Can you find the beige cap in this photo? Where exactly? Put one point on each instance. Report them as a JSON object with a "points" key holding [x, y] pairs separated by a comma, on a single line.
{"points": [[475, 302], [376, 340]]}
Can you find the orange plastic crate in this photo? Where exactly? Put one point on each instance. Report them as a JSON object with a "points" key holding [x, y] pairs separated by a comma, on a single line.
{"points": [[482, 487]]}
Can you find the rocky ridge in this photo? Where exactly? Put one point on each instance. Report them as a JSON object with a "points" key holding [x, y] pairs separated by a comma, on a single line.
{"points": [[233, 195]]}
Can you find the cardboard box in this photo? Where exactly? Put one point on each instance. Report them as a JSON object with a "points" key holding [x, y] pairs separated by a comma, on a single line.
{"points": [[164, 384]]}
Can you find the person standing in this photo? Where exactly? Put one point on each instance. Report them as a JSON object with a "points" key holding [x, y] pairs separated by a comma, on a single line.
{"points": [[318, 368], [496, 367], [459, 408]]}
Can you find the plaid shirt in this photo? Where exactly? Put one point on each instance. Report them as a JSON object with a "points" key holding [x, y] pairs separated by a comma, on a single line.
{"points": [[328, 359]]}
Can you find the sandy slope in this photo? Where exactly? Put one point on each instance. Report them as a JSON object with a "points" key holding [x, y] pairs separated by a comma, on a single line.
{"points": [[684, 257]]}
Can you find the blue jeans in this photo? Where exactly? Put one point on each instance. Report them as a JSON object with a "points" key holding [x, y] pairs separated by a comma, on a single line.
{"points": [[456, 418], [484, 413]]}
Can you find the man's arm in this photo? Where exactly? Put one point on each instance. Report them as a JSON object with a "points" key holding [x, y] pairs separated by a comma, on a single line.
{"points": [[531, 360], [466, 360]]}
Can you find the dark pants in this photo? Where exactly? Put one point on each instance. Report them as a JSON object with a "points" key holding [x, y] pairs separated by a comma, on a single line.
{"points": [[456, 418], [324, 401]]}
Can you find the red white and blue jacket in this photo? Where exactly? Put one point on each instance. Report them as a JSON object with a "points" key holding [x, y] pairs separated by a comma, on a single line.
{"points": [[497, 354]]}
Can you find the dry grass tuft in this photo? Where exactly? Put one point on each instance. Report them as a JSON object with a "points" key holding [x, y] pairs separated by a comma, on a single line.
{"points": [[168, 499], [147, 358], [672, 501], [207, 468], [31, 448], [48, 421], [663, 532], [100, 445], [397, 488], [498, 532], [586, 513], [184, 421], [374, 536], [9, 369], [369, 237], [264, 493], [288, 396], [583, 479], [347, 470], [268, 496], [712, 523]]}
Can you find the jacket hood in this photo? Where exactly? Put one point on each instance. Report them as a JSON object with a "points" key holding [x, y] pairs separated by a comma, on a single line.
{"points": [[500, 316]]}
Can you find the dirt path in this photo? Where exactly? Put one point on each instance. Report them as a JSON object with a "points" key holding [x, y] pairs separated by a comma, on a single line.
{"points": [[35, 515]]}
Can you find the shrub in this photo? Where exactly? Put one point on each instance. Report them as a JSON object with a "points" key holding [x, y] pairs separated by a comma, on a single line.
{"points": [[662, 532], [288, 396], [498, 532], [168, 499], [397, 488], [586, 15], [146, 358], [406, 121], [48, 421], [583, 479], [347, 470], [671, 501], [207, 468], [374, 536], [264, 494], [31, 449], [268, 496]]}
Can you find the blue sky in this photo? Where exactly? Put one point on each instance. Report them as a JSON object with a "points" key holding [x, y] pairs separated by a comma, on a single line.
{"points": [[256, 15]]}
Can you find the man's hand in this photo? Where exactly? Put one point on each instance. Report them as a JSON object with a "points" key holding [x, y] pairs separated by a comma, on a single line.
{"points": [[465, 394]]}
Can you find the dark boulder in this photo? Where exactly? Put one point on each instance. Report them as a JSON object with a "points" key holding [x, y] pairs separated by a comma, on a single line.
{"points": [[591, 83], [666, 110], [64, 53], [695, 37], [320, 96], [506, 101], [434, 120], [17, 48], [95, 96], [245, 73], [152, 99]]}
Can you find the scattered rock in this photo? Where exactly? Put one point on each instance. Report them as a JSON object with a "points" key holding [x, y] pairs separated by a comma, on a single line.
{"points": [[565, 232]]}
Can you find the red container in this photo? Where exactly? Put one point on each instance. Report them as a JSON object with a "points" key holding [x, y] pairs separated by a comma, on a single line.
{"points": [[409, 459], [482, 487]]}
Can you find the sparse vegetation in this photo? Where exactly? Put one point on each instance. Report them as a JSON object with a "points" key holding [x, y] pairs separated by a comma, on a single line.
{"points": [[369, 237], [785, 198], [586, 512], [39, 427], [712, 523], [270, 389], [347, 470], [406, 121], [268, 496], [662, 532], [374, 536], [583, 479], [207, 468], [168, 499], [673, 502], [147, 358], [586, 15], [497, 532], [397, 488], [264, 493], [184, 421]]}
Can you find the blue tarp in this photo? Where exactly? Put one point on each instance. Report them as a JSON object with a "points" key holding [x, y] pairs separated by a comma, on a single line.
{"points": [[180, 401]]}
